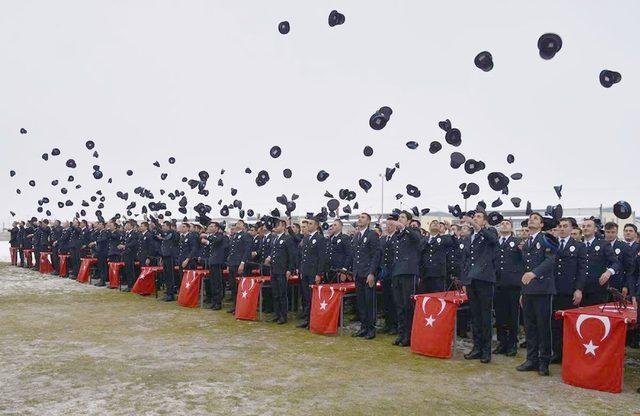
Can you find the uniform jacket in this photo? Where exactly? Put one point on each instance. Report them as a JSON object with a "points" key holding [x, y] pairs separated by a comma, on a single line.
{"points": [[569, 264], [434, 255], [539, 260], [339, 251], [406, 259], [477, 256], [218, 244], [283, 254], [313, 250], [240, 249], [598, 258], [366, 253], [508, 263]]}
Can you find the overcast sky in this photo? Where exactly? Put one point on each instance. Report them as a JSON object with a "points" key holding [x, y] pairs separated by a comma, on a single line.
{"points": [[214, 84]]}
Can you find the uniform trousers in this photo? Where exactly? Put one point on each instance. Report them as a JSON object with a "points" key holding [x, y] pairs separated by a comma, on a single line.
{"points": [[537, 327]]}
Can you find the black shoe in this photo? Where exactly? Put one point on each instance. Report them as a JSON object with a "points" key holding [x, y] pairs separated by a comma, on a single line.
{"points": [[54, 274], [100, 284], [473, 355], [168, 298], [303, 324], [232, 310], [282, 321], [543, 369], [216, 307], [556, 359], [486, 359], [276, 319], [511, 352], [398, 340], [500, 349], [126, 289], [523, 344], [360, 333], [393, 331], [370, 334], [528, 366], [405, 342]]}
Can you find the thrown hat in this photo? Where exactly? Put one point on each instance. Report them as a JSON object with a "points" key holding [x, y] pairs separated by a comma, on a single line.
{"points": [[516, 201], [368, 151], [498, 181], [172, 160], [510, 158], [558, 189], [322, 176], [45, 156], [283, 27], [496, 203], [23, 131], [549, 44], [608, 78], [275, 152], [90, 144], [453, 137], [412, 145], [622, 210], [129, 172], [445, 125], [457, 159], [12, 173], [71, 163], [336, 18], [380, 118], [262, 178], [495, 218], [471, 166], [364, 184], [413, 191], [484, 61], [435, 147], [287, 173], [455, 211], [516, 176], [388, 174]]}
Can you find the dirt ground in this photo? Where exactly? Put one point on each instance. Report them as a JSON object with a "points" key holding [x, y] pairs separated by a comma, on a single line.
{"points": [[68, 348]]}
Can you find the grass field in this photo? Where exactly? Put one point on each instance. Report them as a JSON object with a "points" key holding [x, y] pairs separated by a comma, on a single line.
{"points": [[69, 349]]}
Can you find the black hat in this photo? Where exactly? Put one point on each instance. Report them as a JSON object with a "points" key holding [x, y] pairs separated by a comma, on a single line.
{"points": [[250, 212], [234, 191], [445, 125], [548, 223], [282, 199], [453, 137], [23, 131], [412, 145], [54, 182], [549, 44], [346, 209], [181, 210], [156, 164], [457, 159], [335, 18], [203, 175], [622, 210], [95, 153], [516, 176], [516, 201], [510, 158], [328, 194], [380, 118], [455, 211], [45, 156], [608, 78], [425, 211], [413, 191], [528, 210], [287, 173], [262, 178], [93, 198], [398, 196], [70, 178], [12, 173], [247, 170], [498, 181], [63, 191], [496, 203], [221, 183], [495, 218], [333, 204], [68, 202], [322, 176], [484, 61], [283, 27], [368, 151], [364, 184], [60, 204], [558, 189], [471, 166], [129, 172], [356, 205], [71, 163], [32, 182], [90, 144], [473, 188], [435, 147], [415, 211], [275, 152], [172, 160], [388, 174], [163, 176]]}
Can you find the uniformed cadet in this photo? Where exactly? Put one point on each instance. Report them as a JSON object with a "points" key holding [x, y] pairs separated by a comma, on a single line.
{"points": [[146, 248], [282, 260], [537, 292], [509, 269], [312, 266], [478, 277], [129, 247], [601, 263], [36, 240], [168, 250], [366, 262], [263, 253], [75, 248], [21, 240], [625, 256], [338, 251], [54, 236], [101, 249], [569, 264], [406, 261], [217, 242], [85, 238], [631, 238], [256, 234], [433, 276], [239, 254], [13, 234], [387, 248]]}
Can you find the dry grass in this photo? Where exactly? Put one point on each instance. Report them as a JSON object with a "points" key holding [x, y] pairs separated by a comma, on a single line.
{"points": [[67, 348]]}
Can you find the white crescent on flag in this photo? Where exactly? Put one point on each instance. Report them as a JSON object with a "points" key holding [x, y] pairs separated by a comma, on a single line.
{"points": [[443, 304], [604, 319]]}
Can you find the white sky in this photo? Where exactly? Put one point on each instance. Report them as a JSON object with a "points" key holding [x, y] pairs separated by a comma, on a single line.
{"points": [[214, 84]]}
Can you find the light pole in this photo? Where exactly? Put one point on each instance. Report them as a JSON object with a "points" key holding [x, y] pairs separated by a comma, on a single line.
{"points": [[381, 193]]}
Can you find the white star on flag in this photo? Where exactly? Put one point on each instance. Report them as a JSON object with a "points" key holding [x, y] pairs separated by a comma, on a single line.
{"points": [[323, 306], [430, 320], [590, 348], [188, 285], [244, 294]]}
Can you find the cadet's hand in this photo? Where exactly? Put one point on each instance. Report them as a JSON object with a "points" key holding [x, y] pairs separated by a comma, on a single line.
{"points": [[253, 254], [634, 301], [604, 278], [343, 277], [528, 277], [185, 263], [204, 241], [624, 292], [147, 262], [241, 268], [318, 279], [464, 289], [521, 305], [288, 274], [267, 261], [371, 280], [120, 247], [577, 297]]}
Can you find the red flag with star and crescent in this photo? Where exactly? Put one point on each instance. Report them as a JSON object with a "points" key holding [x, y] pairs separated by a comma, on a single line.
{"points": [[85, 267], [434, 318], [593, 346], [326, 301], [114, 273], [189, 294], [146, 282], [247, 298]]}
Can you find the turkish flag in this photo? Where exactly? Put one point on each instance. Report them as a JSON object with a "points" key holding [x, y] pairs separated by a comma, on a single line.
{"points": [[114, 274], [247, 298], [434, 318], [14, 256], [27, 254], [146, 282], [85, 266], [189, 295], [326, 301], [64, 258], [593, 347], [45, 264]]}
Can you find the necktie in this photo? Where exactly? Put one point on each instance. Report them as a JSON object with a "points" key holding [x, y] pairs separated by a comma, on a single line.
{"points": [[588, 244], [562, 244], [530, 241], [502, 240]]}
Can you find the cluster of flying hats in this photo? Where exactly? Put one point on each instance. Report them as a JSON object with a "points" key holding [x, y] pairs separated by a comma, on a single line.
{"points": [[335, 19]]}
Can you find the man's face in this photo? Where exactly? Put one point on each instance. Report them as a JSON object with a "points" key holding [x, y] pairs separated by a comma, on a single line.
{"points": [[337, 227], [611, 234], [403, 220], [575, 234], [166, 228], [143, 228], [434, 227], [554, 231], [279, 227], [363, 221], [98, 226], [332, 229], [183, 228], [505, 227], [253, 232], [296, 228], [312, 226], [630, 234], [524, 233], [414, 224], [465, 231], [535, 223], [588, 228], [211, 228], [564, 229], [443, 227], [128, 226], [391, 226], [304, 229], [479, 219]]}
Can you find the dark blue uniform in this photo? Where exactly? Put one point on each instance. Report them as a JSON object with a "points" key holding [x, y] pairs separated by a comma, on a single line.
{"points": [[101, 250], [265, 249], [75, 244], [406, 262], [54, 237], [147, 249], [282, 260], [626, 258], [387, 249], [433, 275], [312, 263], [509, 269], [366, 261], [217, 249], [169, 253], [598, 258], [131, 242], [239, 252], [536, 302], [569, 264], [478, 275], [338, 254]]}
